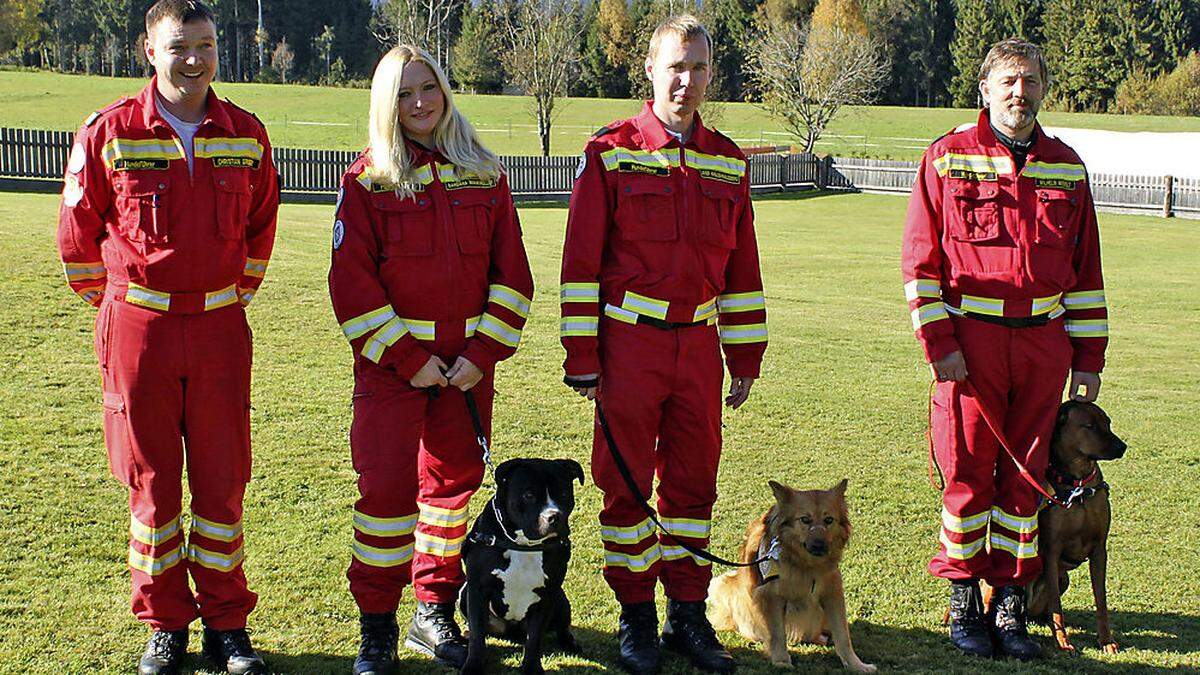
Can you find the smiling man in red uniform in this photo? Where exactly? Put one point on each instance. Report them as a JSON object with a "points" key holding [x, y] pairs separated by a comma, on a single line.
{"points": [[1001, 267], [166, 224], [660, 273]]}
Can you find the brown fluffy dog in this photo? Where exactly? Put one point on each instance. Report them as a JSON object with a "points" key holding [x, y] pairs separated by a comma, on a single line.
{"points": [[805, 602]]}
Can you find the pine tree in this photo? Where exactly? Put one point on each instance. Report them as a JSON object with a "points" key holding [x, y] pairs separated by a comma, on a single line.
{"points": [[477, 67], [976, 29], [1083, 39]]}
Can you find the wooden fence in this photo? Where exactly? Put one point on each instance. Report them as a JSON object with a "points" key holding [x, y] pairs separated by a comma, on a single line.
{"points": [[35, 160]]}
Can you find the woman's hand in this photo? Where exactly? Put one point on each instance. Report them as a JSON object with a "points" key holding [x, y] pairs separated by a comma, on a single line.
{"points": [[430, 374], [463, 374]]}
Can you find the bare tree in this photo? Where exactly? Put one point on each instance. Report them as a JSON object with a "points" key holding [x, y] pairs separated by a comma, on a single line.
{"points": [[806, 75], [541, 40], [425, 23], [282, 60]]}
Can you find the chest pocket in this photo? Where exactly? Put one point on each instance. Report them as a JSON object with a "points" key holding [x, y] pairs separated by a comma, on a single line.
{"points": [[646, 209], [473, 219], [407, 224], [1057, 215], [232, 188], [719, 219], [976, 216], [141, 202]]}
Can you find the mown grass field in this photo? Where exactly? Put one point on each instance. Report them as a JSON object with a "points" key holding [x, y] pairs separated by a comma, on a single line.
{"points": [[842, 395], [331, 118]]}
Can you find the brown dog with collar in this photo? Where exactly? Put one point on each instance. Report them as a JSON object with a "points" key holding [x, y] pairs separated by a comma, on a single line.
{"points": [[1069, 536]]}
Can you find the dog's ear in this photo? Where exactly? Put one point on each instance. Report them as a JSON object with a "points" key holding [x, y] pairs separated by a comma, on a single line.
{"points": [[782, 492], [840, 488], [503, 473], [573, 469]]}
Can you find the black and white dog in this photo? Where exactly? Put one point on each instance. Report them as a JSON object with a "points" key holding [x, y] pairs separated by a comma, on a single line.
{"points": [[516, 558]]}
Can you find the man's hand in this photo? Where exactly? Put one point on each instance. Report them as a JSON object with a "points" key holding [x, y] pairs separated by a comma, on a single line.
{"points": [[1090, 383], [463, 374], [739, 391], [951, 368], [430, 374], [588, 392]]}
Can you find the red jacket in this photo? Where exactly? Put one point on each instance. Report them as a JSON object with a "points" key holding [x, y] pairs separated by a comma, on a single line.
{"points": [[445, 264], [135, 225], [981, 238], [662, 231]]}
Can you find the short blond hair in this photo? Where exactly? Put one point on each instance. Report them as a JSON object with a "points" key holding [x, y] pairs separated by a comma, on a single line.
{"points": [[686, 26], [1013, 49]]}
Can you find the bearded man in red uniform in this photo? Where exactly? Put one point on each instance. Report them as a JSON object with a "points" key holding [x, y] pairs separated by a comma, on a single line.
{"points": [[660, 273], [1001, 266], [166, 224]]}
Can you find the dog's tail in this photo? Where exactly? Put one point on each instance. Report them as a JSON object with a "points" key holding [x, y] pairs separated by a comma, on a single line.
{"points": [[721, 592]]}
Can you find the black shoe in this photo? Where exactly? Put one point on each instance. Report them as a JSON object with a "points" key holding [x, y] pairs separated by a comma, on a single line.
{"points": [[231, 650], [968, 627], [637, 638], [164, 652], [377, 652], [688, 632], [1008, 624], [435, 633]]}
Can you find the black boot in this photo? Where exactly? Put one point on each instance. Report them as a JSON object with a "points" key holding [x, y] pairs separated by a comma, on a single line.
{"points": [[637, 638], [688, 632], [377, 651], [435, 633], [968, 627], [1008, 623], [164, 652], [231, 650]]}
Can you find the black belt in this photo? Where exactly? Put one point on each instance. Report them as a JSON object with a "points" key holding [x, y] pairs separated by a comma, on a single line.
{"points": [[1010, 321], [667, 325]]}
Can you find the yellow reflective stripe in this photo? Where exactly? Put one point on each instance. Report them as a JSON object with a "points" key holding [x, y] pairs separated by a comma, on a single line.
{"points": [[579, 326], [361, 324], [645, 305], [1019, 549], [688, 527], [743, 334], [741, 302], [249, 148], [509, 297], [439, 546], [381, 557], [730, 165], [246, 295], [383, 338], [931, 312], [222, 298], [440, 517], [631, 534], [961, 551], [214, 530], [1018, 524], [255, 268], [471, 325], [84, 271], [635, 563], [384, 527], [90, 293], [679, 553], [148, 564], [1087, 328], [421, 329], [614, 158], [144, 297], [614, 312], [982, 305], [1084, 299], [705, 310], [579, 292], [922, 288], [153, 536], [998, 164], [150, 148], [1062, 171], [1043, 305], [222, 562], [498, 330], [964, 524], [364, 180]]}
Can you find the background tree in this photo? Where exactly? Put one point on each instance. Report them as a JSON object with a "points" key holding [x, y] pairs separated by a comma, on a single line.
{"points": [[477, 67], [1020, 19], [282, 60], [1082, 39], [976, 29], [429, 24], [730, 22], [607, 50], [323, 45], [21, 26]]}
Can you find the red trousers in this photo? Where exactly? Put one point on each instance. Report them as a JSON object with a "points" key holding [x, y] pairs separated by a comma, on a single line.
{"points": [[418, 464], [989, 512], [176, 390], [661, 393]]}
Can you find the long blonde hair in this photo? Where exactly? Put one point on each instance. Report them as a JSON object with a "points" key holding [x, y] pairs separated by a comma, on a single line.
{"points": [[454, 136]]}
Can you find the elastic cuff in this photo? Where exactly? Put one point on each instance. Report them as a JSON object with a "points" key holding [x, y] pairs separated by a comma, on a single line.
{"points": [[479, 355], [581, 382], [408, 365]]}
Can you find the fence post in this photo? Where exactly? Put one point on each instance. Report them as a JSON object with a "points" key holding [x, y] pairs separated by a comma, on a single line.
{"points": [[1169, 198], [783, 165], [824, 164]]}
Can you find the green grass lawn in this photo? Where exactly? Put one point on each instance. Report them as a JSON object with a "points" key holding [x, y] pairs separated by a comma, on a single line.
{"points": [[330, 118], [842, 395]]}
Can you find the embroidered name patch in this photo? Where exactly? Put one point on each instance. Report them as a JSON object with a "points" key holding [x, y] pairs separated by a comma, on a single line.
{"points": [[976, 176], [124, 164], [470, 182], [236, 162], [634, 167], [713, 174], [1055, 183]]}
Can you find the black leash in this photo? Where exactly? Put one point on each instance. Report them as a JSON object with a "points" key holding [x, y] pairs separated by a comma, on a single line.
{"points": [[623, 469]]}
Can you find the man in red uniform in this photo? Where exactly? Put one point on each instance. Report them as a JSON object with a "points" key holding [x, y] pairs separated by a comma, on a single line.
{"points": [[166, 224], [660, 241], [1001, 267]]}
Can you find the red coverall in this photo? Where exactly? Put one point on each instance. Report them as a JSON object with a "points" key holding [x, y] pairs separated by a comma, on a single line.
{"points": [[1004, 266], [171, 258], [660, 240], [442, 273]]}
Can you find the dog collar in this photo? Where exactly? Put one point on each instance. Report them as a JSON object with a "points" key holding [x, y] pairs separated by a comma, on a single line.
{"points": [[1065, 479], [508, 541], [1075, 490]]}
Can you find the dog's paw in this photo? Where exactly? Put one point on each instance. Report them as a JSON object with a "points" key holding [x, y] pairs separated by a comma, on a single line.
{"points": [[472, 668], [783, 660], [569, 645], [864, 667], [1065, 645], [1110, 648], [532, 668]]}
